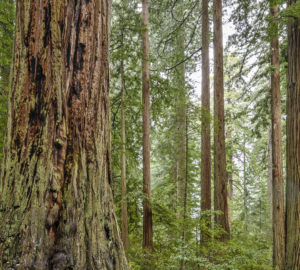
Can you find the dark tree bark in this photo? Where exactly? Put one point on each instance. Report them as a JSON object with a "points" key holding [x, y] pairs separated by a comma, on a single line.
{"points": [[205, 135], [293, 147], [277, 171], [147, 220], [220, 182], [56, 206]]}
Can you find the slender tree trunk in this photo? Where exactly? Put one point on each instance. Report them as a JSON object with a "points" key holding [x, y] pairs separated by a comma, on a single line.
{"points": [[181, 116], [174, 177], [181, 133], [205, 135], [181, 126], [185, 195], [245, 187], [277, 171], [269, 184], [123, 162], [220, 182], [230, 164], [147, 222], [56, 206], [270, 171], [293, 148]]}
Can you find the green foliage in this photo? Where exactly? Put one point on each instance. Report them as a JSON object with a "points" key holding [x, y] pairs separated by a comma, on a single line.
{"points": [[241, 252], [291, 13], [247, 72]]}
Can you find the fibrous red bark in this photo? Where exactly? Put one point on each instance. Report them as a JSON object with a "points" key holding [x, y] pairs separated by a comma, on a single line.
{"points": [[220, 181], [205, 135], [277, 171], [56, 207], [292, 261]]}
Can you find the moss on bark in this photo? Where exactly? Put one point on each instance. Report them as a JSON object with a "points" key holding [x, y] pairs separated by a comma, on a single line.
{"points": [[56, 208]]}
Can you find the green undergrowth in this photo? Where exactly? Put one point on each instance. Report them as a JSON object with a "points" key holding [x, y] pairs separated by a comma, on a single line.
{"points": [[244, 251]]}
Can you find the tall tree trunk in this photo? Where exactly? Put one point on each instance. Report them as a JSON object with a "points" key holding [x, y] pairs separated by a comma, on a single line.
{"points": [[270, 170], [56, 206], [205, 135], [181, 108], [123, 162], [230, 163], [293, 148], [180, 125], [185, 194], [220, 182], [277, 171], [245, 182], [269, 184], [181, 132], [147, 222]]}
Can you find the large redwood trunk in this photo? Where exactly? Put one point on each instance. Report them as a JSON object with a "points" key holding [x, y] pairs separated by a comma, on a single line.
{"points": [[277, 171], [293, 147], [147, 219], [205, 132], [220, 182], [56, 207]]}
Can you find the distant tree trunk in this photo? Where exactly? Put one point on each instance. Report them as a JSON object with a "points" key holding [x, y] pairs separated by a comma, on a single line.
{"points": [[293, 147], [174, 177], [205, 135], [245, 187], [230, 190], [230, 164], [277, 171], [56, 206], [270, 170], [269, 184], [180, 126], [123, 162], [185, 195], [147, 221], [220, 182], [181, 132]]}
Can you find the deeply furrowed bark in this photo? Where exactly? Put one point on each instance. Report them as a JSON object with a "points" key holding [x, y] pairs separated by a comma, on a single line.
{"points": [[205, 132], [293, 149], [277, 171], [55, 195], [220, 183]]}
